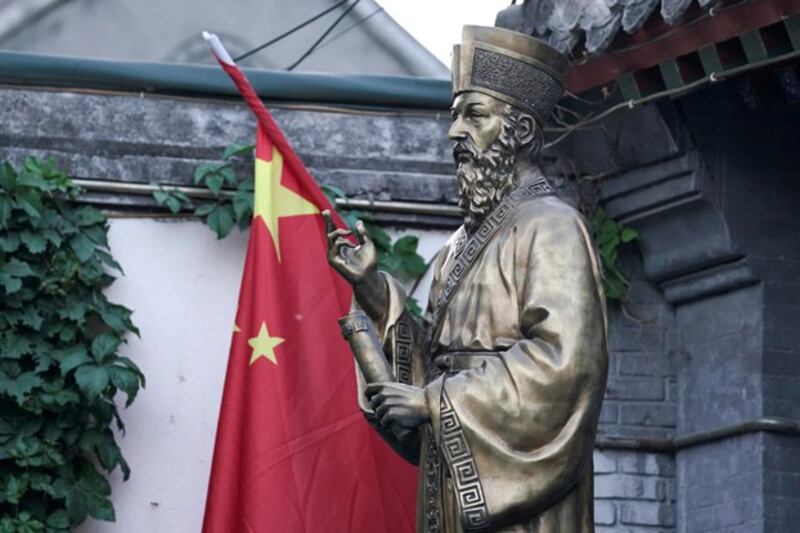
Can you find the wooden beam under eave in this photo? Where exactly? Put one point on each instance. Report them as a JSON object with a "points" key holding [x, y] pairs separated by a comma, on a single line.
{"points": [[673, 42]]}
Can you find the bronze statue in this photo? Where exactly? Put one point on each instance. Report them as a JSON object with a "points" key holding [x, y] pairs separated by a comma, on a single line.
{"points": [[496, 396]]}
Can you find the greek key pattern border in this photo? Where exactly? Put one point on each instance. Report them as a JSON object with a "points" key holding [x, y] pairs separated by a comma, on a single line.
{"points": [[477, 242], [463, 469], [402, 352]]}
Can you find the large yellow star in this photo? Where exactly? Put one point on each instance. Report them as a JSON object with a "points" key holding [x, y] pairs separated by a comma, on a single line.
{"points": [[263, 345], [273, 201]]}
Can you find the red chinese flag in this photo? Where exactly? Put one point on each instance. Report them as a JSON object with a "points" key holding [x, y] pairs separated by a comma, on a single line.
{"points": [[293, 452]]}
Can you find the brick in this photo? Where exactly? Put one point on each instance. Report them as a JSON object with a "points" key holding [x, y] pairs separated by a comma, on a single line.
{"points": [[646, 463], [641, 388], [609, 413], [647, 514], [630, 487], [604, 513], [604, 462], [648, 415], [643, 364]]}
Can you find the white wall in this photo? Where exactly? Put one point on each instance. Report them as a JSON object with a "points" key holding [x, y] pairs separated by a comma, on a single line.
{"points": [[182, 285]]}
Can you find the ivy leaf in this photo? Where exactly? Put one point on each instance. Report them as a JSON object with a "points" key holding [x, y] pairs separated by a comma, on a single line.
{"points": [[203, 170], [34, 242], [19, 386], [242, 204], [94, 489], [103, 345], [414, 265], [629, 234], [125, 380], [91, 379], [83, 247], [205, 209], [89, 216], [237, 149], [8, 177], [58, 520], [53, 236], [220, 220], [31, 202], [228, 175], [72, 359], [5, 211], [15, 346], [10, 242], [406, 245], [173, 204], [15, 488], [214, 181], [17, 268]]}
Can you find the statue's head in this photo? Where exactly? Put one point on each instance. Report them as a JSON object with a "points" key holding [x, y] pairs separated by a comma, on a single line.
{"points": [[506, 85]]}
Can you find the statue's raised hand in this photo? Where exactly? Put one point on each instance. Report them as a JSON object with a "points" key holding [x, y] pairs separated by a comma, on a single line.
{"points": [[353, 262]]}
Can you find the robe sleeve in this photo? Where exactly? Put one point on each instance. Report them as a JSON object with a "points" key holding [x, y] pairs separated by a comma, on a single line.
{"points": [[517, 433], [403, 340]]}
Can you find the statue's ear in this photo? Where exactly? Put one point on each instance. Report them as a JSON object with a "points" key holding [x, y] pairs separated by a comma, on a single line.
{"points": [[526, 129]]}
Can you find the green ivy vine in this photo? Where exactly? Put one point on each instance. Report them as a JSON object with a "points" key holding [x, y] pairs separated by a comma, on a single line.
{"points": [[609, 236], [232, 205], [60, 369]]}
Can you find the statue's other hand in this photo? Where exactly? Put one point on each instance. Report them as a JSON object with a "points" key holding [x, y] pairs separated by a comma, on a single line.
{"points": [[398, 405], [352, 261]]}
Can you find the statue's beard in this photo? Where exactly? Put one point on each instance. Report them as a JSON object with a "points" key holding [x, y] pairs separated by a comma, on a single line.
{"points": [[484, 177]]}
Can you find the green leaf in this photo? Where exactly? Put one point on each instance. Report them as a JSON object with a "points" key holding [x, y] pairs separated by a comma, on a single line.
{"points": [[83, 247], [205, 209], [125, 380], [243, 204], [104, 344], [15, 488], [15, 346], [220, 220], [406, 245], [30, 201], [5, 211], [58, 520], [414, 265], [201, 171], [173, 204], [88, 216], [34, 242], [228, 174], [17, 268], [73, 358], [8, 177], [233, 150], [214, 181], [629, 234], [91, 379], [18, 387]]}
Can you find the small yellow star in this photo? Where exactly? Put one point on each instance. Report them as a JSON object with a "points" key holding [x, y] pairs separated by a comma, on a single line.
{"points": [[273, 201], [263, 345]]}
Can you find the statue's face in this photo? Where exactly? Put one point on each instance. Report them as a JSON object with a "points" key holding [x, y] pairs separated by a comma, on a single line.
{"points": [[477, 117], [485, 131]]}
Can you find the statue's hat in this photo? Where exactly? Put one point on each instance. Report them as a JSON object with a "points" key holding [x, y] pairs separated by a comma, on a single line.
{"points": [[513, 67]]}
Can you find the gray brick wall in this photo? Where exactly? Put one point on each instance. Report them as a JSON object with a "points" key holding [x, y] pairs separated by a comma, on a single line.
{"points": [[635, 491]]}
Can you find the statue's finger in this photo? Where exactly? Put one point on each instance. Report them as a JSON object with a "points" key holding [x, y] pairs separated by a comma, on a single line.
{"points": [[330, 225], [361, 232], [338, 232], [341, 242]]}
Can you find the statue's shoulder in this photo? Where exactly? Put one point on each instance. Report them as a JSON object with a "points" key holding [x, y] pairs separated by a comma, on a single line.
{"points": [[548, 211]]}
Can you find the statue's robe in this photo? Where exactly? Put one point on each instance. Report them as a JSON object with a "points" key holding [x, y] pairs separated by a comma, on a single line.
{"points": [[514, 378]]}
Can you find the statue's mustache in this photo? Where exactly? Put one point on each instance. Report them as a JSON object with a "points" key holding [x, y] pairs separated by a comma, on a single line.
{"points": [[464, 150]]}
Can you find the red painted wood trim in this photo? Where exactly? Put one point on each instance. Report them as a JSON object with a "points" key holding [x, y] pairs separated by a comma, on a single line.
{"points": [[659, 42]]}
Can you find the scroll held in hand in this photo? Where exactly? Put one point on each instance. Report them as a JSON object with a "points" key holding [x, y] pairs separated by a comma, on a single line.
{"points": [[358, 331]]}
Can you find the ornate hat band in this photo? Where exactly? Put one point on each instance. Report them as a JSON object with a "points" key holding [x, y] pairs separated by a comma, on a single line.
{"points": [[513, 67]]}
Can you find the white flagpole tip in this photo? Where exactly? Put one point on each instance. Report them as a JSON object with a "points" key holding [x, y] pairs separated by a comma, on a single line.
{"points": [[216, 47]]}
